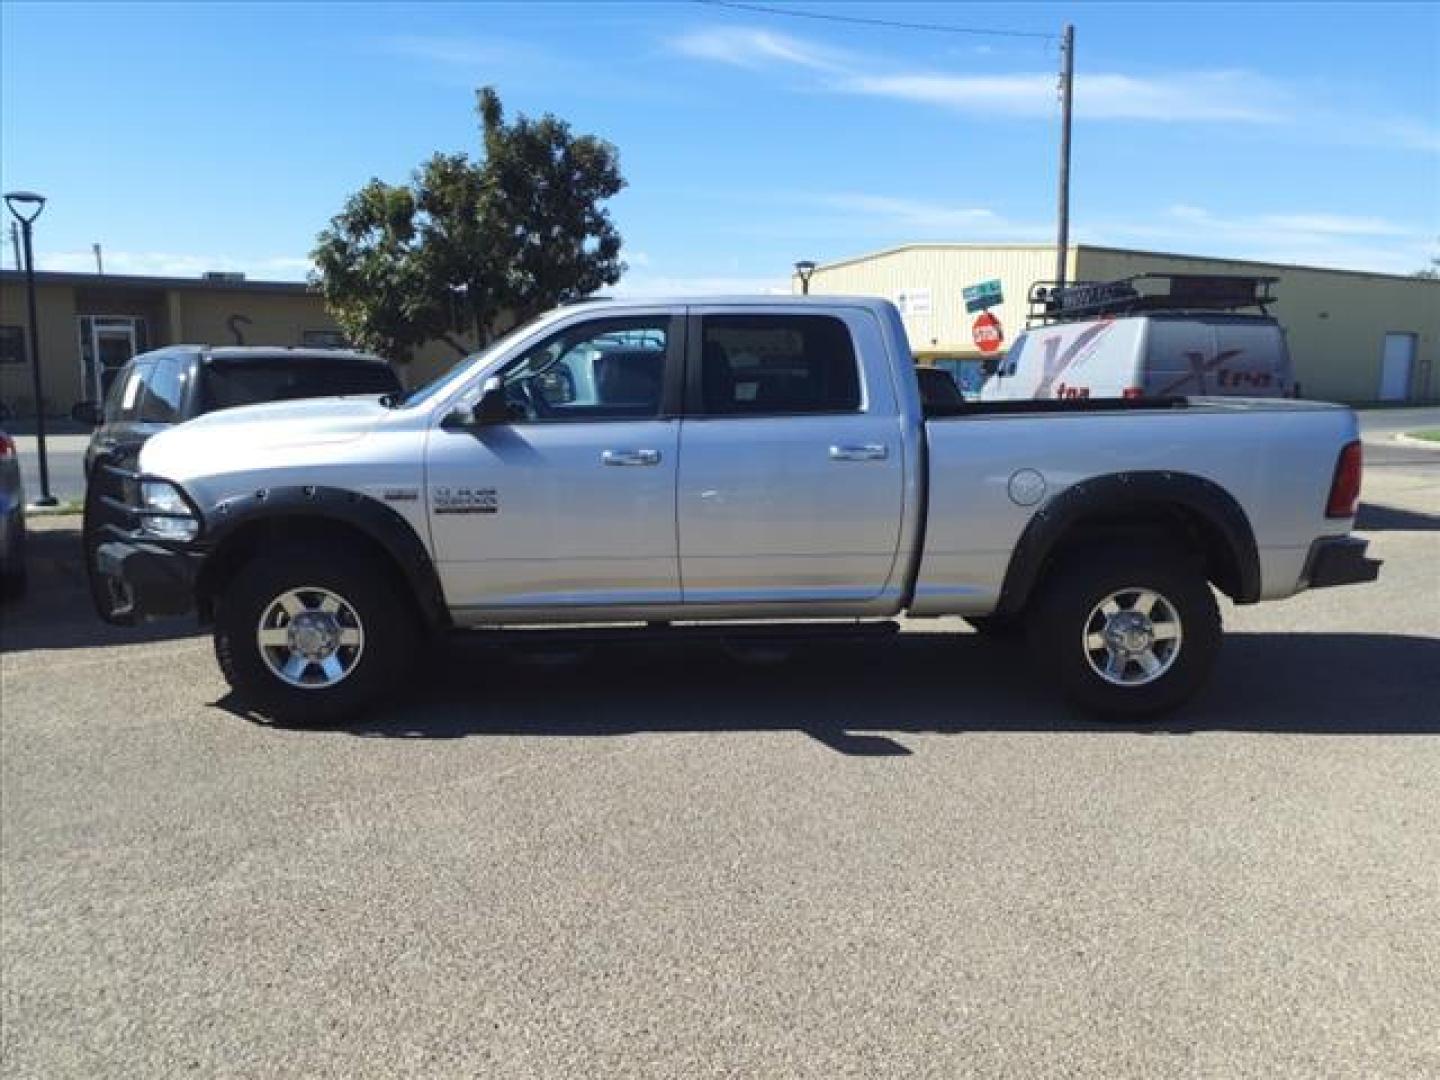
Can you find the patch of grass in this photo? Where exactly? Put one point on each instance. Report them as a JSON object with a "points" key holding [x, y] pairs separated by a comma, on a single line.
{"points": [[1428, 434]]}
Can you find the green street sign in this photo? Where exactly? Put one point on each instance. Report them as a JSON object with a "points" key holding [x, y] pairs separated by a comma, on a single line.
{"points": [[985, 295]]}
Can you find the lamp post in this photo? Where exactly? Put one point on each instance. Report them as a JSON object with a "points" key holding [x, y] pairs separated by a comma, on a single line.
{"points": [[805, 267], [26, 207]]}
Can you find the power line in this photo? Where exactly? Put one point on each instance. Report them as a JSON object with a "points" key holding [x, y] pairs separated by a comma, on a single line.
{"points": [[861, 21]]}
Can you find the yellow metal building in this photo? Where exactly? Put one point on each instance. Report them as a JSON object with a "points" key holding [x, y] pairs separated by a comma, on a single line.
{"points": [[1354, 336]]}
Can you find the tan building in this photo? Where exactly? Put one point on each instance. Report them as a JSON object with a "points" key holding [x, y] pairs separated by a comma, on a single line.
{"points": [[91, 323], [1354, 336]]}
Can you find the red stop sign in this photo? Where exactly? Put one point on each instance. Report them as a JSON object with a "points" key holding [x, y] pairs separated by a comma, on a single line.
{"points": [[987, 333]]}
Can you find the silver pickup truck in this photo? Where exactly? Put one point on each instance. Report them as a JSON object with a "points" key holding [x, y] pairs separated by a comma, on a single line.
{"points": [[667, 465]]}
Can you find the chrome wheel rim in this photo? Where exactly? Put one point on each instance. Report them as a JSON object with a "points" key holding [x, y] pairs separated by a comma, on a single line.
{"points": [[310, 638], [1132, 637]]}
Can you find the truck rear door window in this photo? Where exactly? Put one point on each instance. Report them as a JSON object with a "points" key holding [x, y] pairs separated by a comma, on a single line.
{"points": [[776, 365]]}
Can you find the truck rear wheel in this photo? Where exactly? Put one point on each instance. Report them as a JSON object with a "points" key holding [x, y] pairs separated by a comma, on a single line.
{"points": [[311, 640], [1128, 632]]}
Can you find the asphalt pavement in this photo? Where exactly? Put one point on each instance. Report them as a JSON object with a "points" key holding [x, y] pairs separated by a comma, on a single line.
{"points": [[65, 458], [901, 859]]}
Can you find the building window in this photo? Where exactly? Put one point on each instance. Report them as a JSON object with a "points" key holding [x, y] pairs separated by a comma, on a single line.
{"points": [[12, 345], [324, 339]]}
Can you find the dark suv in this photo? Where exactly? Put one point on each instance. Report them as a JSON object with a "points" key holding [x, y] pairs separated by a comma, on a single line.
{"points": [[159, 389]]}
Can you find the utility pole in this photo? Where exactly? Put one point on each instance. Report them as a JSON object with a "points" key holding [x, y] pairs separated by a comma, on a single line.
{"points": [[15, 246], [1067, 88], [99, 262]]}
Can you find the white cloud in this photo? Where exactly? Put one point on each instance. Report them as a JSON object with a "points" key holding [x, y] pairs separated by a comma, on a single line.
{"points": [[922, 219], [750, 48], [1201, 96], [1412, 134], [172, 264], [1222, 96], [1333, 225], [466, 52], [1349, 242], [700, 285]]}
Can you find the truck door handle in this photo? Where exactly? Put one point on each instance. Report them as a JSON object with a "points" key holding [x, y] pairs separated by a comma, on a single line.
{"points": [[864, 452], [630, 457]]}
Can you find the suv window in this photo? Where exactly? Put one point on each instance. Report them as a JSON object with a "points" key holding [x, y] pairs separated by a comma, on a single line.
{"points": [[127, 393], [775, 364], [607, 369], [253, 382], [165, 392]]}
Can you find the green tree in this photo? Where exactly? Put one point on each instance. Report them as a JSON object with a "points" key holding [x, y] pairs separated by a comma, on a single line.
{"points": [[1432, 271], [469, 246]]}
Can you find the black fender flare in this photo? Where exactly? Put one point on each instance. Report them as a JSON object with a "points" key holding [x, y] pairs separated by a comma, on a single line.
{"points": [[1120, 494], [395, 535]]}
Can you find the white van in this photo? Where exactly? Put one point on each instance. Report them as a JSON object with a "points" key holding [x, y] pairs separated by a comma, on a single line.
{"points": [[1125, 344]]}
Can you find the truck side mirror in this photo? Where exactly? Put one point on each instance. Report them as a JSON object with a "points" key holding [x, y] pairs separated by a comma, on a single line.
{"points": [[492, 407], [87, 413]]}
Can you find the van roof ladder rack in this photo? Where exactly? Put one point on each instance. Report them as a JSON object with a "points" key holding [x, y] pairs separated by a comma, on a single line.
{"points": [[1051, 302]]}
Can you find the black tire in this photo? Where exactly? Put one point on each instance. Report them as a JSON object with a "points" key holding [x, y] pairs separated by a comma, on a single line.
{"points": [[1062, 618], [13, 584], [13, 575], [391, 634], [997, 627]]}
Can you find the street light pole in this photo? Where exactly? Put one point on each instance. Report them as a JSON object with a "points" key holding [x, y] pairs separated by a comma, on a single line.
{"points": [[1067, 87], [14, 200], [805, 267]]}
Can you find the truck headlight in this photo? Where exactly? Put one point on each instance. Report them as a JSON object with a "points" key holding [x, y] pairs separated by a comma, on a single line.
{"points": [[164, 512]]}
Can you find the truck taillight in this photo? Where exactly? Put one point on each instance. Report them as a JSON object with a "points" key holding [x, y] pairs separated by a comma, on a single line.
{"points": [[1132, 393], [7, 446], [1345, 488]]}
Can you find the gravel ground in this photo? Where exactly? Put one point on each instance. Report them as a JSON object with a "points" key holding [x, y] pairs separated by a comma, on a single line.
{"points": [[898, 859]]}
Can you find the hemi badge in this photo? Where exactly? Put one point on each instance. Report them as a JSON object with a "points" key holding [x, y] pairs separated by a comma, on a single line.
{"points": [[401, 494]]}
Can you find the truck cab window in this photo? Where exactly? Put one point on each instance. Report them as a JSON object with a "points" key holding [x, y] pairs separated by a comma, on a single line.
{"points": [[164, 392], [611, 369], [777, 364], [127, 394]]}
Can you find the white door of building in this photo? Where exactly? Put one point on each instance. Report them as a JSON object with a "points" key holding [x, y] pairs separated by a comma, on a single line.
{"points": [[107, 343], [1396, 365]]}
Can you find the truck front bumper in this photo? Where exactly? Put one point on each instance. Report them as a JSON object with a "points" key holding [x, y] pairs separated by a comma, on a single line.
{"points": [[137, 580], [1339, 560], [135, 574]]}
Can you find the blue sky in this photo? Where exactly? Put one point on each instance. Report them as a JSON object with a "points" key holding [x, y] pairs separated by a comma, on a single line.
{"points": [[211, 136]]}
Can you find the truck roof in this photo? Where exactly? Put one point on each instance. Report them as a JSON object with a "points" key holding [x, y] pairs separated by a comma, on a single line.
{"points": [[243, 353], [735, 299]]}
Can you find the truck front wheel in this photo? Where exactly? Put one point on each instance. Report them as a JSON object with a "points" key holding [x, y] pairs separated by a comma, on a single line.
{"points": [[1127, 632], [310, 640]]}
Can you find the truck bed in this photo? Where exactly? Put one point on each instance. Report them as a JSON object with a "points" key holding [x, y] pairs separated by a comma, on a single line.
{"points": [[991, 464]]}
